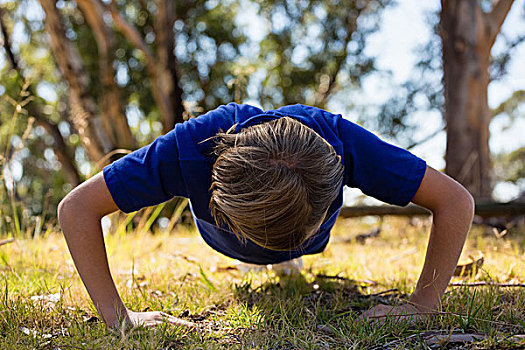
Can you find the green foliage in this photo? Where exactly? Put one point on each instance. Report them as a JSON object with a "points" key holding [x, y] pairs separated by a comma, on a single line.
{"points": [[511, 167], [208, 45], [34, 169], [314, 49], [305, 52]]}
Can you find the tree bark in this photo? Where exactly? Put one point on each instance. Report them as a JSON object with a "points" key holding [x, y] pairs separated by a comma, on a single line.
{"points": [[113, 118], [83, 108], [168, 64], [161, 67], [467, 35]]}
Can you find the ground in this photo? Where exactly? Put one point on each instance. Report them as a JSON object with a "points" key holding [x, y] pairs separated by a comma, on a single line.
{"points": [[44, 305]]}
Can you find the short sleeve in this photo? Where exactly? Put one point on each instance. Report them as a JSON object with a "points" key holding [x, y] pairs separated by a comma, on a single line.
{"points": [[147, 176], [379, 169]]}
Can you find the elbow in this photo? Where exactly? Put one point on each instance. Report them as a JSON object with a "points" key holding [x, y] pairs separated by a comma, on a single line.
{"points": [[457, 203], [466, 203], [471, 205], [64, 211], [70, 213]]}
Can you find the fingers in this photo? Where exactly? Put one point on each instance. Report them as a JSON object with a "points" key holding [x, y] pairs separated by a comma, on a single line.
{"points": [[383, 313], [177, 321], [156, 318]]}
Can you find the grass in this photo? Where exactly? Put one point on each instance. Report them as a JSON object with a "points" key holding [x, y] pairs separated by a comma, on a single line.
{"points": [[43, 304]]}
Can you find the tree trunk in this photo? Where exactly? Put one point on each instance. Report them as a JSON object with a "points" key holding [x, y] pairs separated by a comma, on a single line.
{"points": [[162, 66], [83, 108], [167, 67], [114, 120], [62, 152], [467, 35]]}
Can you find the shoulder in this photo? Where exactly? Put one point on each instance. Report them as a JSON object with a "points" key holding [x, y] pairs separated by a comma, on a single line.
{"points": [[192, 134]]}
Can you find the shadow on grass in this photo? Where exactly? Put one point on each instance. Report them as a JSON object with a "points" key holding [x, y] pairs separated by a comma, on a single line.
{"points": [[330, 294], [311, 308]]}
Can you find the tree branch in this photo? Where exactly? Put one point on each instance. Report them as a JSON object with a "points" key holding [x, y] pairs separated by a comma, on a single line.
{"points": [[510, 104], [426, 138], [112, 114], [83, 107], [326, 88], [132, 34], [495, 18], [161, 68], [7, 42], [167, 63], [60, 147]]}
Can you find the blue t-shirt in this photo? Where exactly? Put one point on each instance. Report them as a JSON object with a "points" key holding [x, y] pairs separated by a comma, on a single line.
{"points": [[180, 163]]}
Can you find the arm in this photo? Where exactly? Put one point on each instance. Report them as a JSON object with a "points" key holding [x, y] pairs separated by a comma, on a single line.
{"points": [[79, 215], [452, 207]]}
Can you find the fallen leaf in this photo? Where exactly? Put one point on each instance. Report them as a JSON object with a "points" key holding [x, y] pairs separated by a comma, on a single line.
{"points": [[467, 269], [223, 268], [34, 333], [48, 300], [442, 339], [89, 319], [361, 238], [326, 329]]}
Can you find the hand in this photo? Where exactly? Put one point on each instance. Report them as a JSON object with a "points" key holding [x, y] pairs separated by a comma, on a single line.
{"points": [[401, 313], [153, 319]]}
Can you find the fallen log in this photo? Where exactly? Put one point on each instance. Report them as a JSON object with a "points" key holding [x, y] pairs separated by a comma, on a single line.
{"points": [[484, 210], [7, 241]]}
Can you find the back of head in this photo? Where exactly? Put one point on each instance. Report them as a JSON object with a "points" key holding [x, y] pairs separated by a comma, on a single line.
{"points": [[272, 183]]}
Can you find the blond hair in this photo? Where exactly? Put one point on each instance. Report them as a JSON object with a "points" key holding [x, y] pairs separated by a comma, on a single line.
{"points": [[272, 183]]}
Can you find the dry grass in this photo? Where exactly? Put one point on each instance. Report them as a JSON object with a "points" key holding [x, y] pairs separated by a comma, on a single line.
{"points": [[178, 273]]}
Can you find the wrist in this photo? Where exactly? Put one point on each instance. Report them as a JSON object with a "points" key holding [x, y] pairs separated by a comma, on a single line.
{"points": [[113, 314], [424, 304]]}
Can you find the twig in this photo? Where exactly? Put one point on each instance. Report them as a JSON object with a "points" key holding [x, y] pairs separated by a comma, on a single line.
{"points": [[394, 342], [7, 241], [431, 313], [107, 156], [383, 292], [425, 139], [403, 255], [342, 278], [407, 314], [487, 284]]}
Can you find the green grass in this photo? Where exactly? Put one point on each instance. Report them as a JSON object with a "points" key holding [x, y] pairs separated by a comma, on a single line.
{"points": [[179, 274]]}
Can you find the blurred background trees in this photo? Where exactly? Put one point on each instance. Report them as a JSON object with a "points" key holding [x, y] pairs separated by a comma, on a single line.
{"points": [[452, 76], [84, 82]]}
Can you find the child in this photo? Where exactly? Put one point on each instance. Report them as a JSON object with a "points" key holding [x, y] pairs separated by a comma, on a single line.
{"points": [[264, 187]]}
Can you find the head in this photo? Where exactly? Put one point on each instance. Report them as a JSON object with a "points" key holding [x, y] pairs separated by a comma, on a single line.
{"points": [[272, 183]]}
